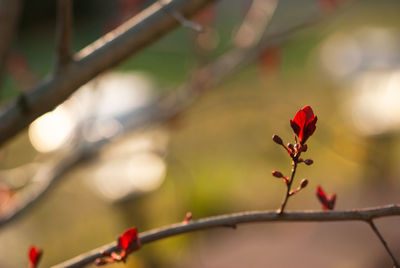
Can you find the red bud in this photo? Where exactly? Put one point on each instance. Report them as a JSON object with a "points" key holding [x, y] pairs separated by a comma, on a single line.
{"points": [[308, 162], [277, 174], [277, 139], [327, 201], [303, 183], [188, 217]]}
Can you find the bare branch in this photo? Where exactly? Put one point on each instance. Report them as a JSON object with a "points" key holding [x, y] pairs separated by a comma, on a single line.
{"points": [[64, 32], [9, 15], [45, 176], [132, 36], [378, 234], [165, 108], [182, 20], [365, 215], [251, 30], [187, 23]]}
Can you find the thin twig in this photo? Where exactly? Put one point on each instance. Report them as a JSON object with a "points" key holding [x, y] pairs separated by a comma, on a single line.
{"points": [[64, 32], [240, 218], [181, 19], [383, 241], [187, 23], [289, 186]]}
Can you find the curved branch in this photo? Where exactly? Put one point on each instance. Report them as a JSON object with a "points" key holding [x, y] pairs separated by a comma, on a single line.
{"points": [[231, 220], [111, 49]]}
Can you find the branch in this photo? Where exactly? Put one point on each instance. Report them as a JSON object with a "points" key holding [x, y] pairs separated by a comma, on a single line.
{"points": [[45, 177], [166, 108], [64, 30], [288, 187], [383, 241], [132, 36], [9, 15], [365, 215], [251, 30]]}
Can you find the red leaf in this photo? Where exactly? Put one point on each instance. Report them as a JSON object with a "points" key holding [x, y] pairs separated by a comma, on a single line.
{"points": [[127, 243], [328, 202], [303, 123], [34, 256], [128, 238]]}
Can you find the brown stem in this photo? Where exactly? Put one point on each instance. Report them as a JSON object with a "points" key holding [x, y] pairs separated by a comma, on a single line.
{"points": [[289, 186], [383, 241]]}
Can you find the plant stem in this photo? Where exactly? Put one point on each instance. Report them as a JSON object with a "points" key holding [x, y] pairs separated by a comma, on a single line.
{"points": [[376, 231], [289, 186]]}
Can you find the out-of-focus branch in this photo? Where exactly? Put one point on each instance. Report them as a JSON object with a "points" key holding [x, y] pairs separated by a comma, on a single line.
{"points": [[64, 32], [251, 30], [230, 220], [9, 15], [166, 108], [132, 36], [187, 23], [45, 176]]}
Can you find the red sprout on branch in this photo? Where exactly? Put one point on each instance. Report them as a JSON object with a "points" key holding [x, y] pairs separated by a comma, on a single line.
{"points": [[188, 217], [34, 255], [327, 201], [128, 242], [303, 125]]}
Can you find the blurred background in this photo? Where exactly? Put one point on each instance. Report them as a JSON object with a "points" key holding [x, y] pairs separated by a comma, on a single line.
{"points": [[216, 157]]}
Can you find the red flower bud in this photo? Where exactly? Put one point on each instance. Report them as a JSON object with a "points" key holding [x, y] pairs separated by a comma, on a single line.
{"points": [[303, 183], [327, 201], [277, 174], [126, 244], [277, 139], [308, 162], [129, 240], [303, 124], [188, 217], [34, 256]]}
